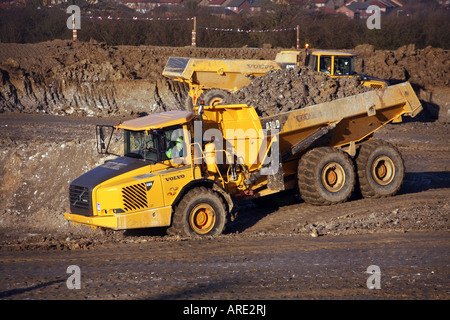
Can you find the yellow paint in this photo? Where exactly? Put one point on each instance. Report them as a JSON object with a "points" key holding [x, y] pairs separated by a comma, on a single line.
{"points": [[160, 217], [157, 121]]}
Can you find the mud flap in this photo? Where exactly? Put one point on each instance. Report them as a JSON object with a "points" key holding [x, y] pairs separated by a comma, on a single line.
{"points": [[275, 181]]}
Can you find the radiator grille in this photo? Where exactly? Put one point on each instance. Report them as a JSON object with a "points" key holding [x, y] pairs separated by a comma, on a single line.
{"points": [[80, 200], [135, 197], [376, 86]]}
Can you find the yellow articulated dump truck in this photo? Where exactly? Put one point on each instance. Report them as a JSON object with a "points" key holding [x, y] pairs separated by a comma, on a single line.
{"points": [[210, 80], [186, 170]]}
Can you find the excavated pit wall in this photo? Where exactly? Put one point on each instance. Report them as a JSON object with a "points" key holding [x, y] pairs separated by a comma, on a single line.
{"points": [[93, 79]]}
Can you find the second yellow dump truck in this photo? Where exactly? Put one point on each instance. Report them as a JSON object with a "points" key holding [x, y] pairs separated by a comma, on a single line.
{"points": [[210, 80], [185, 170]]}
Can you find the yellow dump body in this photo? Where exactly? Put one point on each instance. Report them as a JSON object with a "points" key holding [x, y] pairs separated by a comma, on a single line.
{"points": [[226, 74], [355, 117], [348, 120]]}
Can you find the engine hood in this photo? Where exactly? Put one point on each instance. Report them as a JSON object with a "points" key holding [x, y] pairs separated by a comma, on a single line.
{"points": [[108, 170]]}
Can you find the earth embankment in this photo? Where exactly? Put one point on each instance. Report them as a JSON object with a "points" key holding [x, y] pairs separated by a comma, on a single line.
{"points": [[63, 77]]}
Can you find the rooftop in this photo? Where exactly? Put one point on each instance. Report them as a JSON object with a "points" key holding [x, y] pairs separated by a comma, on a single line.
{"points": [[157, 120]]}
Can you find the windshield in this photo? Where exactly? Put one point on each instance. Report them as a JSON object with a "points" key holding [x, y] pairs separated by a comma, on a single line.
{"points": [[325, 65], [343, 66], [139, 144], [157, 145]]}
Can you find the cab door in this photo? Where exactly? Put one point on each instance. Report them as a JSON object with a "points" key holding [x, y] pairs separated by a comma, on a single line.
{"points": [[176, 153]]}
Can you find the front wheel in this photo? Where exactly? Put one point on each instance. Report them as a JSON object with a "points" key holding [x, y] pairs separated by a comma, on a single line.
{"points": [[325, 176], [201, 212], [380, 169]]}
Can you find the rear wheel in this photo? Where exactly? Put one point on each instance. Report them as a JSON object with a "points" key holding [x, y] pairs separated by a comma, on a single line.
{"points": [[325, 176], [380, 169], [201, 212], [214, 97]]}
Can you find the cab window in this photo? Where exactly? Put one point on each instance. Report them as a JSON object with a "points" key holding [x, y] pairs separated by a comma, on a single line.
{"points": [[343, 66], [325, 65], [313, 62], [140, 144], [174, 144]]}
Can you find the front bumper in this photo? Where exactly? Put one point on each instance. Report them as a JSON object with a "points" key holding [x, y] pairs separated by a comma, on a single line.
{"points": [[160, 217]]}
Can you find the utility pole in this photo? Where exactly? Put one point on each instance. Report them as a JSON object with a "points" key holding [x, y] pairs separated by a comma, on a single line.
{"points": [[194, 33], [74, 30]]}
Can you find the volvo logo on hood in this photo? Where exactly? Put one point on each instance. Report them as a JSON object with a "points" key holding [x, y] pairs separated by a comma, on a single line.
{"points": [[114, 165]]}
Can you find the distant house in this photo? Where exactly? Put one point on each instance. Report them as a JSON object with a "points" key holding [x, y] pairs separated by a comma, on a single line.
{"points": [[257, 5], [148, 5], [238, 5], [323, 3], [49, 2], [167, 2], [328, 11], [386, 5], [354, 10], [445, 4], [329, 4], [139, 5], [216, 3], [357, 9]]}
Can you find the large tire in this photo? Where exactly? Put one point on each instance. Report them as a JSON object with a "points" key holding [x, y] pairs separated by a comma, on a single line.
{"points": [[380, 169], [214, 97], [201, 212], [325, 176]]}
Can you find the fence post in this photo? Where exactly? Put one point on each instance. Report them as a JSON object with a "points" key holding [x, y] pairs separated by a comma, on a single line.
{"points": [[74, 30], [194, 33]]}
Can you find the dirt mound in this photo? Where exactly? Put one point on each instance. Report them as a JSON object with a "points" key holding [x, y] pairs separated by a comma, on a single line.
{"points": [[422, 67], [64, 77], [93, 79], [284, 90]]}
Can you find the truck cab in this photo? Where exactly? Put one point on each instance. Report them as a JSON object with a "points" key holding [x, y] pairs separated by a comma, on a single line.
{"points": [[332, 63], [138, 189], [341, 64]]}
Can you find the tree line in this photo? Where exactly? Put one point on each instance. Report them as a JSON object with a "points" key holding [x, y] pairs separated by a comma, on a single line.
{"points": [[425, 28]]}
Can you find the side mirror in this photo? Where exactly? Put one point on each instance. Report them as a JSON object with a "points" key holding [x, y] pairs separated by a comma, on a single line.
{"points": [[103, 135]]}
